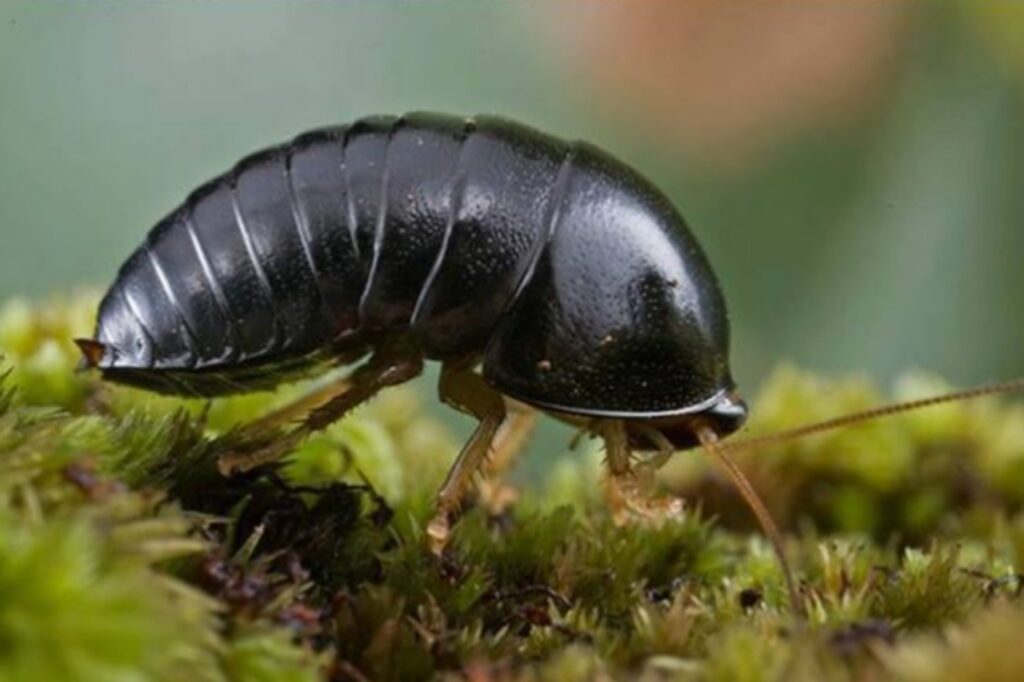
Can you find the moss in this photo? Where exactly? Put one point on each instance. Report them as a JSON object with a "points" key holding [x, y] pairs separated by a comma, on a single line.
{"points": [[124, 555]]}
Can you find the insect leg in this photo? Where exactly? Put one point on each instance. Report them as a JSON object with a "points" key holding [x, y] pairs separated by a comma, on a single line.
{"points": [[627, 495], [298, 409], [495, 495], [382, 370], [649, 467], [301, 407], [467, 392]]}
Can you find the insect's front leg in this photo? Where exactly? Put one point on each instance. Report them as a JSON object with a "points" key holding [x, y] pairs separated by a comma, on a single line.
{"points": [[628, 492], [323, 408], [649, 466]]}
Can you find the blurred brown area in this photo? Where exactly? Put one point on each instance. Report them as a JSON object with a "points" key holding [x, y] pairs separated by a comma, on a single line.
{"points": [[728, 80]]}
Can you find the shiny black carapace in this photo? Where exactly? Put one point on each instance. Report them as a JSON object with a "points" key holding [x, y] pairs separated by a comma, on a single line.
{"points": [[561, 271]]}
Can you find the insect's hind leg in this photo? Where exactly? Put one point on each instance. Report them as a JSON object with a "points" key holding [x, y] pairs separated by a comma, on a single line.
{"points": [[297, 410], [322, 408], [466, 391]]}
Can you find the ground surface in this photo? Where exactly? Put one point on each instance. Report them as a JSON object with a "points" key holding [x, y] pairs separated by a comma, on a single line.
{"points": [[124, 555]]}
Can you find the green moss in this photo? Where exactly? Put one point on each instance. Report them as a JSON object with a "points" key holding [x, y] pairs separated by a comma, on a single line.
{"points": [[125, 555]]}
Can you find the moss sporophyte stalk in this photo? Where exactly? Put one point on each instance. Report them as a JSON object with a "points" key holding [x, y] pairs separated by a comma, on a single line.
{"points": [[126, 555]]}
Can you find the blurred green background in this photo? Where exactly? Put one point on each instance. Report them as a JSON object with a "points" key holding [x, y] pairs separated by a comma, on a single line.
{"points": [[853, 169]]}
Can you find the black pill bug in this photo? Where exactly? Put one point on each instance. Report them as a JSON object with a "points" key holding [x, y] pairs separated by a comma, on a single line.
{"points": [[568, 277]]}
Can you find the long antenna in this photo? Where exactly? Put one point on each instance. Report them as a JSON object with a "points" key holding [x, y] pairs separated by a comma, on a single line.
{"points": [[709, 439], [1013, 386]]}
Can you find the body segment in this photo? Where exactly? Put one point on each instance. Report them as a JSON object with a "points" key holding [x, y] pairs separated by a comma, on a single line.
{"points": [[622, 314]]}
